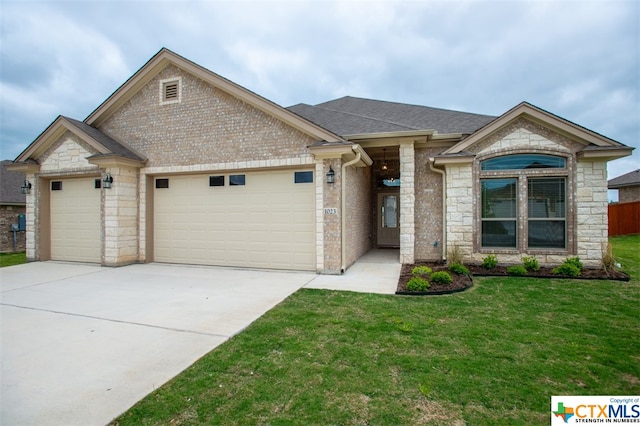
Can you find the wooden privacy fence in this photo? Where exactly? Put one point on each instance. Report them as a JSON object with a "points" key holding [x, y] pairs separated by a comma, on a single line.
{"points": [[624, 218]]}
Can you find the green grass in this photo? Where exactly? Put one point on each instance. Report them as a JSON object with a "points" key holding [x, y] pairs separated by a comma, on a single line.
{"points": [[10, 259], [626, 249], [491, 355]]}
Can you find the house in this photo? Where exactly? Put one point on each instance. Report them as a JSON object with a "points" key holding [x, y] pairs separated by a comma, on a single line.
{"points": [[628, 186], [12, 210], [181, 165]]}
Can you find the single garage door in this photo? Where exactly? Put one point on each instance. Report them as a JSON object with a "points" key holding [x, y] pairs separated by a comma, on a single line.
{"points": [[258, 219], [75, 220]]}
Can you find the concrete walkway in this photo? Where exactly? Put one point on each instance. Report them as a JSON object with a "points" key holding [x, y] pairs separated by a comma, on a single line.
{"points": [[375, 272], [80, 344]]}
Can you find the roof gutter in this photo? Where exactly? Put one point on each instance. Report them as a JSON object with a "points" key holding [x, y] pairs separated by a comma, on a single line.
{"points": [[444, 206]]}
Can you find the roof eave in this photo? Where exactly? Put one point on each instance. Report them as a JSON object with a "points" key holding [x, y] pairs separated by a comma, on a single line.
{"points": [[165, 57], [540, 116]]}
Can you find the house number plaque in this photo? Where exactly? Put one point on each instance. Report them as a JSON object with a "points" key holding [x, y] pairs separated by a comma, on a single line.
{"points": [[330, 210]]}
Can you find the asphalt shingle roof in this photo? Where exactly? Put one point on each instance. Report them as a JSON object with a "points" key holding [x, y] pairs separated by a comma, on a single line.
{"points": [[10, 183], [109, 143], [350, 115], [631, 178]]}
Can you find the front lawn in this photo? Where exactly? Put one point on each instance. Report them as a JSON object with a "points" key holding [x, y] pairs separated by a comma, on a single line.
{"points": [[10, 259], [494, 354]]}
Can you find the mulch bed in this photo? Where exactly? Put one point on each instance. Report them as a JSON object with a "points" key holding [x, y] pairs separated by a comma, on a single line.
{"points": [[463, 282]]}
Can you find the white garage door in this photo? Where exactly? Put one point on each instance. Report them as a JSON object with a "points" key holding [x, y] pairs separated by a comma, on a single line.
{"points": [[258, 219], [75, 220]]}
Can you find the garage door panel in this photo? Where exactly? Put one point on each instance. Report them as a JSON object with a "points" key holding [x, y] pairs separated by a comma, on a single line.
{"points": [[260, 224], [75, 221]]}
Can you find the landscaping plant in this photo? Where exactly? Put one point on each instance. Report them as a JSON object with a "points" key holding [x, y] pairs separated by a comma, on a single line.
{"points": [[517, 270], [441, 277], [417, 284], [421, 271], [490, 261], [459, 268], [530, 263]]}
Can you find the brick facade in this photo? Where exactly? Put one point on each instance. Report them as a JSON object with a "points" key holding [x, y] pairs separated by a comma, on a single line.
{"points": [[9, 216], [359, 222]]}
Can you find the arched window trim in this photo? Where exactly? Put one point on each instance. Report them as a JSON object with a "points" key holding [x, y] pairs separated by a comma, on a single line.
{"points": [[542, 157], [522, 176]]}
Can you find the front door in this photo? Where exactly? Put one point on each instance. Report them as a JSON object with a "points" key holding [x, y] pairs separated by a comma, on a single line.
{"points": [[388, 220]]}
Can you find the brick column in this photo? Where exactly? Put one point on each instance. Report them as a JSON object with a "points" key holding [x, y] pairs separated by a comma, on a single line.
{"points": [[407, 202], [331, 218]]}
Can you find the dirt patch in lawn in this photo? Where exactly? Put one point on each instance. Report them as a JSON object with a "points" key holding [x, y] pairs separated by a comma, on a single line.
{"points": [[463, 282]]}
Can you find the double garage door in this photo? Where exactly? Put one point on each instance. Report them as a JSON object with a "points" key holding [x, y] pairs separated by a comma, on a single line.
{"points": [[258, 219]]}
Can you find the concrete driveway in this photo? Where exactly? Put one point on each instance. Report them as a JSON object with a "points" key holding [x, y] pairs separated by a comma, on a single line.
{"points": [[80, 344]]}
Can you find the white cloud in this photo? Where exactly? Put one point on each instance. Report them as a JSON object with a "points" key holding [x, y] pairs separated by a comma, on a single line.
{"points": [[579, 60]]}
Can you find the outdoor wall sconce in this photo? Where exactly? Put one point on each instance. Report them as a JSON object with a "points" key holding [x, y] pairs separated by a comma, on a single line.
{"points": [[107, 181], [26, 187], [384, 161], [331, 175]]}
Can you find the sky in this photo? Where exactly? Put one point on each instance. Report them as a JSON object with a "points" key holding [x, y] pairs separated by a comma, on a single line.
{"points": [[577, 59]]}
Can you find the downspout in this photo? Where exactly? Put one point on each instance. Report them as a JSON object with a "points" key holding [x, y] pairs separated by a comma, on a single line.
{"points": [[444, 207], [343, 209]]}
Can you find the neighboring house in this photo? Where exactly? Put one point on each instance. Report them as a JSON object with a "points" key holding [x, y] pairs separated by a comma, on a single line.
{"points": [[628, 186], [203, 171], [12, 206]]}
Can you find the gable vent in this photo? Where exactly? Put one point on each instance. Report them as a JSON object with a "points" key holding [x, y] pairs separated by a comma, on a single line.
{"points": [[170, 91]]}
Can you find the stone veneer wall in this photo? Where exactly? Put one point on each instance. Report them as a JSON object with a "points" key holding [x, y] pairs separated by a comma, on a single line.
{"points": [[359, 219], [460, 206], [9, 216], [589, 224], [428, 208], [407, 203], [121, 217], [592, 222]]}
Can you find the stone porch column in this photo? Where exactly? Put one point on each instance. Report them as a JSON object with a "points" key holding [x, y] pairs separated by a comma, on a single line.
{"points": [[121, 217], [407, 202]]}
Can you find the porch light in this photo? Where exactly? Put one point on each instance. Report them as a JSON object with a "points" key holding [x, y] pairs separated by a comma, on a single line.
{"points": [[107, 181], [384, 160], [26, 187], [331, 175]]}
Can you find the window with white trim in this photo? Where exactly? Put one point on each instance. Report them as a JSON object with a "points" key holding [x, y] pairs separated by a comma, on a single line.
{"points": [[523, 202]]}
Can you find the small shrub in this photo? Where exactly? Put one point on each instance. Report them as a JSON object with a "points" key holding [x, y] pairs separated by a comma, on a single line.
{"points": [[421, 271], [517, 270], [530, 263], [454, 255], [490, 262], [417, 284], [575, 261], [441, 277], [459, 268], [609, 262], [567, 269]]}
